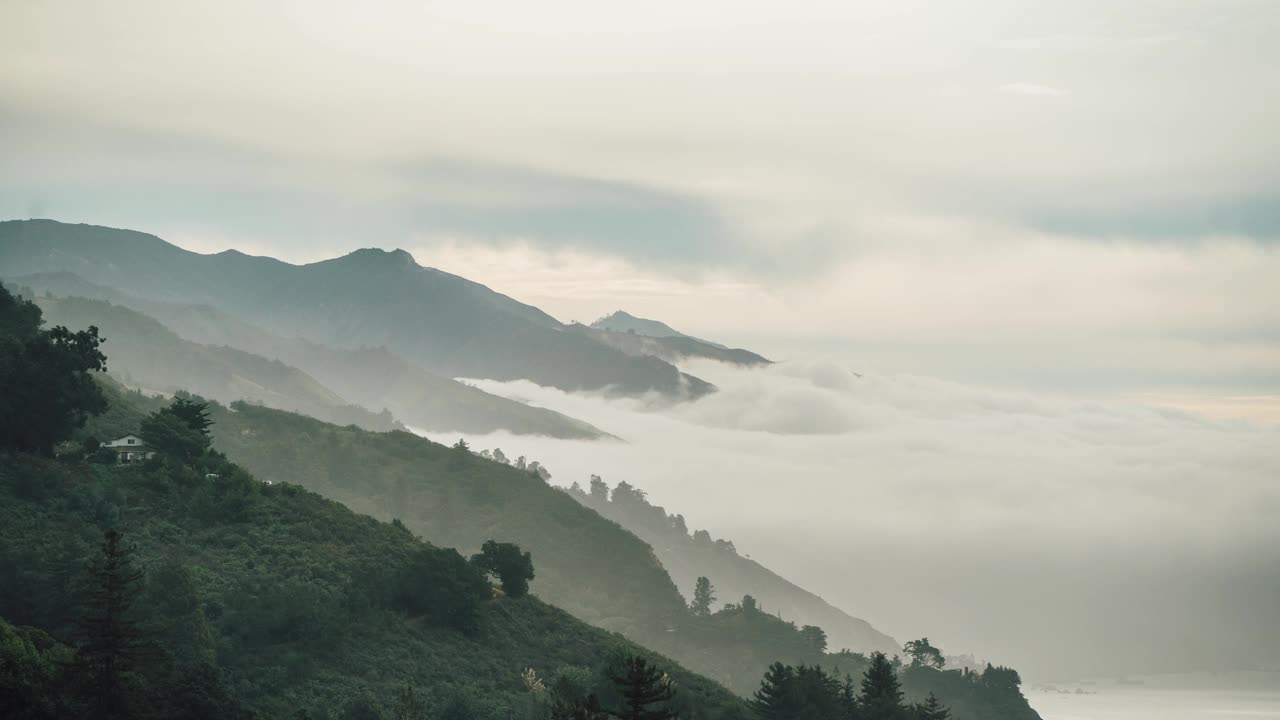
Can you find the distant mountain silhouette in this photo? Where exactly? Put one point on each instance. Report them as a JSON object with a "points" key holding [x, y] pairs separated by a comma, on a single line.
{"points": [[369, 298], [641, 336], [374, 378]]}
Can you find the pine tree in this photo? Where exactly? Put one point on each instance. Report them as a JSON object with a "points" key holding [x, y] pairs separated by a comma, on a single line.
{"points": [[646, 691], [848, 700], [111, 637], [775, 700], [703, 595], [932, 709], [881, 691]]}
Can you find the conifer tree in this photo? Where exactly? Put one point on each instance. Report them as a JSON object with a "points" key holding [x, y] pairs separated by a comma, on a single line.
{"points": [[775, 700], [703, 595], [646, 691], [881, 691], [848, 700], [111, 638], [932, 709]]}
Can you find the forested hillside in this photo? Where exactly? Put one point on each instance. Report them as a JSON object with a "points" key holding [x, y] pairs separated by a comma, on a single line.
{"points": [[240, 595], [267, 599], [689, 555]]}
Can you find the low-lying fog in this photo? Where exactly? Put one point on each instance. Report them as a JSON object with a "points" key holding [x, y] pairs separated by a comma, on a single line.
{"points": [[1067, 538]]}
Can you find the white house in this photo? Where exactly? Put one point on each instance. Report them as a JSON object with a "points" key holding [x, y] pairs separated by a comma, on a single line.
{"points": [[129, 449]]}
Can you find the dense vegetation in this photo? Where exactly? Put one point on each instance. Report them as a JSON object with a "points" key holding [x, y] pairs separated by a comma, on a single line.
{"points": [[688, 555], [186, 587]]}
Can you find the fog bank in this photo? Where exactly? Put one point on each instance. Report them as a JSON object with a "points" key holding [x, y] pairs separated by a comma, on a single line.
{"points": [[1069, 538]]}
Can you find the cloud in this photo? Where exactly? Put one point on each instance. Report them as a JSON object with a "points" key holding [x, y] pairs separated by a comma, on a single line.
{"points": [[989, 520], [1029, 88]]}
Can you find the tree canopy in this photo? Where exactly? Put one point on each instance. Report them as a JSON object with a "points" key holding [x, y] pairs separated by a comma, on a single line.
{"points": [[46, 390], [513, 568]]}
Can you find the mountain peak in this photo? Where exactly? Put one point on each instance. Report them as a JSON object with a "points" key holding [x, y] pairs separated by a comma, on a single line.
{"points": [[371, 256], [624, 322]]}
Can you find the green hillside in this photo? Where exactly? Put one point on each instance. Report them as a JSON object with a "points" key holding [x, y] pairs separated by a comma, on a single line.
{"points": [[689, 555], [291, 601]]}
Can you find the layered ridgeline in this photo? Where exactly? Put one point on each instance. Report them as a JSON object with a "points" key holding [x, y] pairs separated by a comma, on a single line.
{"points": [[373, 378], [586, 564], [182, 586], [370, 298], [590, 564], [688, 556], [148, 355], [640, 336]]}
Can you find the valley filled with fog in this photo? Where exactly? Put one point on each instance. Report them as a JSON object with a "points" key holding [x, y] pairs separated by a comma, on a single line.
{"points": [[1067, 537]]}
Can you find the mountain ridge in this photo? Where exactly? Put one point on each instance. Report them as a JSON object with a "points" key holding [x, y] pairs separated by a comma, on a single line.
{"points": [[449, 324]]}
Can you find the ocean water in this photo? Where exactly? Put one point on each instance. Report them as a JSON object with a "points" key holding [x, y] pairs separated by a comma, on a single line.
{"points": [[1160, 701]]}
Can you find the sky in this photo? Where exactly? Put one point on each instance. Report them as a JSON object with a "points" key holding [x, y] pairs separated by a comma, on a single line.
{"points": [[1047, 234], [1081, 196]]}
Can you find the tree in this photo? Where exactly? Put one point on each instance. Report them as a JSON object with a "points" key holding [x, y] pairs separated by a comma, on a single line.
{"points": [[499, 456], [749, 604], [775, 700], [599, 489], [513, 568], [815, 636], [646, 691], [628, 495], [848, 700], [703, 596], [924, 654], [460, 455], [174, 435], [193, 412], [932, 709], [46, 390], [881, 697], [110, 635], [679, 525]]}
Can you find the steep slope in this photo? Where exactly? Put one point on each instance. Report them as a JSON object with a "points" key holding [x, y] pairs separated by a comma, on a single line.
{"points": [[374, 378], [621, 321], [640, 336], [145, 353], [689, 556], [369, 298], [267, 600]]}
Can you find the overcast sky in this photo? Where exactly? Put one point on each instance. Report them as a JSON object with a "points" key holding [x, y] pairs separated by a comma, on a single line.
{"points": [[1082, 195]]}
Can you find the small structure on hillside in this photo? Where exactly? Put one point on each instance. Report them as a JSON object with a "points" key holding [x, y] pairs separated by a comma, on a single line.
{"points": [[129, 449]]}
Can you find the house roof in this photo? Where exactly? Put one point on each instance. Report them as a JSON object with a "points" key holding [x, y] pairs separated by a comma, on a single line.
{"points": [[124, 442]]}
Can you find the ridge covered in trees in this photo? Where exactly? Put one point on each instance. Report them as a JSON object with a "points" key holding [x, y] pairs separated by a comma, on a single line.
{"points": [[240, 595]]}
